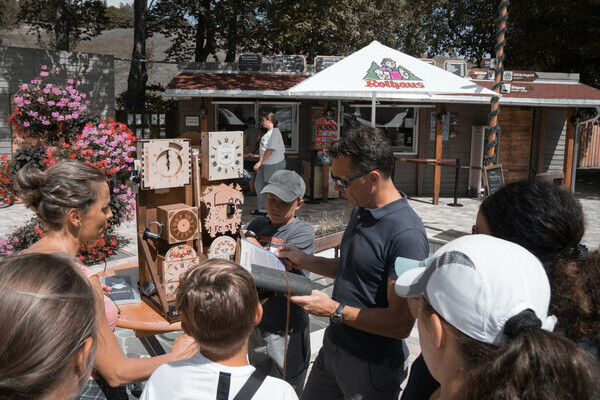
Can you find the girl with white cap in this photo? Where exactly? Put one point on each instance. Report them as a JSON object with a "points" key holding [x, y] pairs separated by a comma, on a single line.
{"points": [[485, 333]]}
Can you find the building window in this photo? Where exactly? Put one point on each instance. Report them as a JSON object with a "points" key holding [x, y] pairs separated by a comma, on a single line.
{"points": [[232, 116], [398, 122]]}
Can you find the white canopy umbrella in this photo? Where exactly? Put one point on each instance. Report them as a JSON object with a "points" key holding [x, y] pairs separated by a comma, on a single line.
{"points": [[380, 72]]}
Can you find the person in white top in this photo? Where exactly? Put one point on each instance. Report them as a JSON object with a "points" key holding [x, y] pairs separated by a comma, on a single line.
{"points": [[219, 306], [272, 159]]}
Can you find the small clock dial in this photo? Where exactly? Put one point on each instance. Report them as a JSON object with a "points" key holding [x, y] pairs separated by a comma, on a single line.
{"points": [[183, 225], [173, 272]]}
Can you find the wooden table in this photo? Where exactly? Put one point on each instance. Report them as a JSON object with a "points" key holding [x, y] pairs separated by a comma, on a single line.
{"points": [[141, 318]]}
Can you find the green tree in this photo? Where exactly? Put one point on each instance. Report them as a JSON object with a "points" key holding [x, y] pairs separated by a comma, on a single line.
{"points": [[69, 20], [119, 17], [189, 24]]}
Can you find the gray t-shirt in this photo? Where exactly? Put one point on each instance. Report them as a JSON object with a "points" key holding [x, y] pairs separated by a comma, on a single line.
{"points": [[296, 233]]}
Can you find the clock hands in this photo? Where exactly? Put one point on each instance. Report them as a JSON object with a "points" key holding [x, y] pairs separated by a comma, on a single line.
{"points": [[168, 161]]}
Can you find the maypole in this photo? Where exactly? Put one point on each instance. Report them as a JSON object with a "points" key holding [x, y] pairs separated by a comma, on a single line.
{"points": [[494, 133]]}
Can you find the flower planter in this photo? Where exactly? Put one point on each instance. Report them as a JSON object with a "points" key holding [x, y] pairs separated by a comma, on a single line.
{"points": [[331, 241]]}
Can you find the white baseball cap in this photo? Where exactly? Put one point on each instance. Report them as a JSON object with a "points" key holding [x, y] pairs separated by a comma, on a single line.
{"points": [[477, 283]]}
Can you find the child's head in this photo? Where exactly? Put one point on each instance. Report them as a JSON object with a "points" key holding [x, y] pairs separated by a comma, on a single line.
{"points": [[285, 193], [48, 330], [219, 305], [483, 318]]}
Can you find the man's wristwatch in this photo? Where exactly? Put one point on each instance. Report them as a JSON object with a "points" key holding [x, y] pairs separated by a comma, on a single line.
{"points": [[338, 316]]}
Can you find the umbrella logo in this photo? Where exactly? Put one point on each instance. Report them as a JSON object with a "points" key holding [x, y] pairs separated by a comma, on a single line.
{"points": [[389, 74]]}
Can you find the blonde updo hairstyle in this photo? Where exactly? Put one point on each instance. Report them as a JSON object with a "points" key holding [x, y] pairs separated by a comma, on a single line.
{"points": [[65, 185]]}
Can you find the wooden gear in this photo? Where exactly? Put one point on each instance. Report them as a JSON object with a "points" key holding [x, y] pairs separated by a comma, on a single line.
{"points": [[181, 222], [218, 199]]}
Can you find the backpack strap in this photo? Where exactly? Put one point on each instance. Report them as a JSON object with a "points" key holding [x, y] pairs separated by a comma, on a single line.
{"points": [[223, 385], [251, 386]]}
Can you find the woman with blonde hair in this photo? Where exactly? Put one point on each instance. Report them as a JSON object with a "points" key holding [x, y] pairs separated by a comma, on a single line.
{"points": [[48, 334], [73, 201]]}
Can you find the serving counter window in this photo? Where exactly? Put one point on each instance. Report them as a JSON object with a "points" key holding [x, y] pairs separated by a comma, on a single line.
{"points": [[232, 116], [399, 123]]}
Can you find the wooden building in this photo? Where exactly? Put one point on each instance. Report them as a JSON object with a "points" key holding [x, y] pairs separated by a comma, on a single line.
{"points": [[537, 116]]}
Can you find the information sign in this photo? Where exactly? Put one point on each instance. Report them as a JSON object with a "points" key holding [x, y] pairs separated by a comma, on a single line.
{"points": [[249, 62], [283, 63], [456, 67], [322, 62], [493, 178]]}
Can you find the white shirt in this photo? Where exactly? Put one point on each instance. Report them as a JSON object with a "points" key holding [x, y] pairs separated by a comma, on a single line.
{"points": [[197, 378], [272, 140]]}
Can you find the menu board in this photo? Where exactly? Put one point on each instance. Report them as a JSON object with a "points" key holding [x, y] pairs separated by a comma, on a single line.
{"points": [[324, 130], [249, 62], [322, 62], [456, 67], [283, 63], [493, 179]]}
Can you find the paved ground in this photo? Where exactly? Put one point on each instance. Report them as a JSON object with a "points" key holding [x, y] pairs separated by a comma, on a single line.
{"points": [[442, 222]]}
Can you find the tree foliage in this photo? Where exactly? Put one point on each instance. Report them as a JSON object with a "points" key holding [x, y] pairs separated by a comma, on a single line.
{"points": [[69, 20], [119, 17]]}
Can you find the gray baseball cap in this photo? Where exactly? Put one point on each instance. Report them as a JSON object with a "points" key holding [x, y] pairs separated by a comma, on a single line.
{"points": [[287, 185]]}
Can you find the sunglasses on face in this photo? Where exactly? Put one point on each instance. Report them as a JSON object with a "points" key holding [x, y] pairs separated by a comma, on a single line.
{"points": [[343, 182]]}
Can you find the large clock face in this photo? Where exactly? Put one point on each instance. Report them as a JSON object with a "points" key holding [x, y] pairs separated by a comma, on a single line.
{"points": [[183, 225], [224, 155], [165, 163]]}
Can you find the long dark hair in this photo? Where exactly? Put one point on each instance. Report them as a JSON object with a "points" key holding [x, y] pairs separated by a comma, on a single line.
{"points": [[542, 217], [532, 365]]}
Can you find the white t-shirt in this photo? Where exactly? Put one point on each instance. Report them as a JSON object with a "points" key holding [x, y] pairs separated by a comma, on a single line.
{"points": [[198, 377], [272, 140]]}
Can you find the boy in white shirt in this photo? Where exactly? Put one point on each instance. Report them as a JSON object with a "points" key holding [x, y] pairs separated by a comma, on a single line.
{"points": [[219, 307]]}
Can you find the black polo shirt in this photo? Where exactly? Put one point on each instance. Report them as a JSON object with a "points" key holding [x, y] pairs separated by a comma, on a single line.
{"points": [[372, 241]]}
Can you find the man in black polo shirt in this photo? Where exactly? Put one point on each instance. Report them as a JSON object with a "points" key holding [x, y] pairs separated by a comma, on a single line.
{"points": [[363, 356]]}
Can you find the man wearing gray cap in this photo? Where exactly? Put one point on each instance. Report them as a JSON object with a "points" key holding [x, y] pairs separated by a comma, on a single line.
{"points": [[285, 193]]}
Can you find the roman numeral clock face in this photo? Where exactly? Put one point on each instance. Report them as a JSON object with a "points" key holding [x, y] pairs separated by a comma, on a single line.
{"points": [[225, 155]]}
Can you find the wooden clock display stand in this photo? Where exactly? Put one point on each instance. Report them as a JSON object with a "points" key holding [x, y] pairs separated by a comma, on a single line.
{"points": [[179, 215], [167, 196]]}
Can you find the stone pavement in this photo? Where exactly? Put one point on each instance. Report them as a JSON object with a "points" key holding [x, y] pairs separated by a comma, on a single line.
{"points": [[443, 223]]}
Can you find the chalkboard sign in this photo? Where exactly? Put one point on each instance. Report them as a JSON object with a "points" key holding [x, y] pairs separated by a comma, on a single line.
{"points": [[249, 62], [283, 63], [493, 179], [456, 67], [322, 62]]}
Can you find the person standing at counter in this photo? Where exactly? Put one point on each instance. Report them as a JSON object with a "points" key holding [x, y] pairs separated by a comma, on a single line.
{"points": [[272, 159]]}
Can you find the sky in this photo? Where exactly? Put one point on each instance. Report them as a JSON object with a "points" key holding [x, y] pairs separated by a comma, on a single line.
{"points": [[116, 3]]}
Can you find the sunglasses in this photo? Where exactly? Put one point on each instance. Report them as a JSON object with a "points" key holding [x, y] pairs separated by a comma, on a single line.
{"points": [[343, 182]]}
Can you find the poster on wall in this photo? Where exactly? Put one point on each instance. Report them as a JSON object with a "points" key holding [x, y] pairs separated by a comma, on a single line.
{"points": [[324, 130]]}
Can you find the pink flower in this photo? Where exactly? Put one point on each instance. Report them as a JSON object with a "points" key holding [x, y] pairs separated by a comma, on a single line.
{"points": [[25, 124], [16, 239], [23, 86], [43, 73], [55, 114], [44, 67], [60, 118], [9, 247]]}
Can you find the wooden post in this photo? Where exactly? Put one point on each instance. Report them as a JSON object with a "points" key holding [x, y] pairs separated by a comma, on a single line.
{"points": [[541, 145], [437, 169], [495, 109], [569, 148]]}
